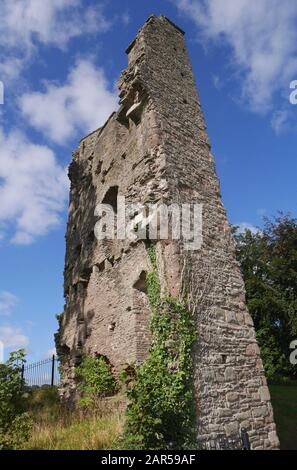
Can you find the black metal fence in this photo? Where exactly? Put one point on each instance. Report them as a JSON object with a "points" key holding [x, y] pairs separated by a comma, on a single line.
{"points": [[240, 442], [41, 373]]}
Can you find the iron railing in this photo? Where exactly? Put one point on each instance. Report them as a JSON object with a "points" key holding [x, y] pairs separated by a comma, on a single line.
{"points": [[41, 373], [240, 442]]}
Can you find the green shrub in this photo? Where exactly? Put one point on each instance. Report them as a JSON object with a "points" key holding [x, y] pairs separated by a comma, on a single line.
{"points": [[275, 362], [269, 266], [96, 380], [161, 412], [40, 398], [15, 423]]}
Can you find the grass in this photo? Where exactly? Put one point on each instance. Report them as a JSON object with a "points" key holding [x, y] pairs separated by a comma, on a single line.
{"points": [[56, 428], [284, 402], [90, 433]]}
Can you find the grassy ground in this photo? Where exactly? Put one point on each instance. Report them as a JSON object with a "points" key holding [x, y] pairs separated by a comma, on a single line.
{"points": [[284, 401], [90, 433], [56, 428]]}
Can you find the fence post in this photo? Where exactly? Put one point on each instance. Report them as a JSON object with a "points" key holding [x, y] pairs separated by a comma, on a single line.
{"points": [[23, 372], [245, 439], [53, 371]]}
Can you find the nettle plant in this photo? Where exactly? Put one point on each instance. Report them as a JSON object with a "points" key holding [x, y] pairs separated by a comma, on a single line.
{"points": [[15, 423], [95, 381], [161, 413]]}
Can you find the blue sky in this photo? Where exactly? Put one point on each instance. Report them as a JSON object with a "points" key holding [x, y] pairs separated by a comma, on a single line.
{"points": [[59, 64]]}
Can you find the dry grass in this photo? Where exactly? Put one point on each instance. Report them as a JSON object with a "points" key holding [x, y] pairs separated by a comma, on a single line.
{"points": [[57, 428], [89, 433]]}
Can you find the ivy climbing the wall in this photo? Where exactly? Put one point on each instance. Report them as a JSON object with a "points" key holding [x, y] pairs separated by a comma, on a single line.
{"points": [[161, 412]]}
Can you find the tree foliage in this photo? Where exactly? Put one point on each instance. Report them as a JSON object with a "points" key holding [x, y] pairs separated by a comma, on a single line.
{"points": [[269, 265], [96, 380], [15, 423]]}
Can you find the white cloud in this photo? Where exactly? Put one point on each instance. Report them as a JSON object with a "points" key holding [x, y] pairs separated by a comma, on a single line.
{"points": [[243, 226], [11, 67], [80, 105], [280, 121], [262, 36], [217, 82], [7, 302], [33, 187], [25, 23], [13, 337], [50, 353], [126, 18]]}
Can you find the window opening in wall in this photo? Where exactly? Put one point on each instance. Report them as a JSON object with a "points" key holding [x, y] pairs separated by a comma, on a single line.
{"points": [[141, 283], [111, 198]]}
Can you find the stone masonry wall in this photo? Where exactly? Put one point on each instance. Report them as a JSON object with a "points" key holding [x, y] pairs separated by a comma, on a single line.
{"points": [[155, 148]]}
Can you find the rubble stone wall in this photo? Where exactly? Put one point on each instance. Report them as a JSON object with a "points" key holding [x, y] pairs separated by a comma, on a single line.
{"points": [[156, 148]]}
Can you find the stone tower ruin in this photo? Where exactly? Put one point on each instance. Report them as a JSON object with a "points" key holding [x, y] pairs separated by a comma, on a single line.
{"points": [[155, 148]]}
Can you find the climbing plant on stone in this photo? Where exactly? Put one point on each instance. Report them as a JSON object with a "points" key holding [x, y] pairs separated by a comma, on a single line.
{"points": [[161, 411]]}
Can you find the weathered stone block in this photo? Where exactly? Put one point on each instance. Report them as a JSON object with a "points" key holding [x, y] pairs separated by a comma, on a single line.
{"points": [[230, 374], [232, 397], [252, 350], [264, 393], [261, 411], [232, 429]]}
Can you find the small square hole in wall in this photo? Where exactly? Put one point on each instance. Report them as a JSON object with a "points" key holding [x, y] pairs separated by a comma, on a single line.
{"points": [[141, 283], [91, 237], [110, 261], [78, 249], [99, 267], [224, 358], [111, 198], [112, 326], [86, 274], [74, 289], [99, 168]]}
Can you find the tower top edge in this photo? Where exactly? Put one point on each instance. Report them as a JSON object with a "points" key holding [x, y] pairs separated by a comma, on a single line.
{"points": [[150, 18]]}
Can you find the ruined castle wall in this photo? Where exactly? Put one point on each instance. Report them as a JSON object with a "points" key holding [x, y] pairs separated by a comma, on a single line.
{"points": [[230, 384], [106, 313], [155, 148]]}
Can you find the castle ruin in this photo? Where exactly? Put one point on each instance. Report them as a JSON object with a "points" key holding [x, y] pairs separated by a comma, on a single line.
{"points": [[155, 148]]}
